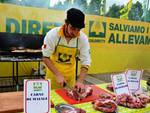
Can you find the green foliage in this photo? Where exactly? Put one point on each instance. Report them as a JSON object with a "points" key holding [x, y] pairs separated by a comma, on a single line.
{"points": [[31, 3], [148, 16], [94, 7], [114, 11], [59, 5], [63, 6], [136, 11], [1, 1], [81, 4]]}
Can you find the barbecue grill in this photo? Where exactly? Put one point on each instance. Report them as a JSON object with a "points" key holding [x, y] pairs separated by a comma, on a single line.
{"points": [[15, 48]]}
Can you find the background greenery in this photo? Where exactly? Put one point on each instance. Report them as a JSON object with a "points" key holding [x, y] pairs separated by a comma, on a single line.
{"points": [[138, 11]]}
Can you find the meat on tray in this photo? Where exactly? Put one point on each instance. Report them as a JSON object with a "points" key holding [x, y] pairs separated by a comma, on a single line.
{"points": [[135, 101], [66, 108], [142, 96], [76, 110], [107, 96], [78, 94], [105, 103], [108, 103], [110, 87]]}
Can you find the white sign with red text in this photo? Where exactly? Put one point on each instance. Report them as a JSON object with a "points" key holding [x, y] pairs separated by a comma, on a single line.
{"points": [[120, 84], [36, 96], [134, 78]]}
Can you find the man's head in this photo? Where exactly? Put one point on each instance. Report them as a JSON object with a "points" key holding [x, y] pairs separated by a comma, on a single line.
{"points": [[76, 18], [74, 21]]}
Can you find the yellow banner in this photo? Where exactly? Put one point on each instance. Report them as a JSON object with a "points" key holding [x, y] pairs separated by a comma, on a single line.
{"points": [[116, 44]]}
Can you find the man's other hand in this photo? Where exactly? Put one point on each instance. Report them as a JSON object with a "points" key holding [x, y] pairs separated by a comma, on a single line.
{"points": [[60, 80]]}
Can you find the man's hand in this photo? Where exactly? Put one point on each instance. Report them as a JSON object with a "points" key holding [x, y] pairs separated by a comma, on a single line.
{"points": [[60, 80], [81, 78], [80, 85], [59, 77]]}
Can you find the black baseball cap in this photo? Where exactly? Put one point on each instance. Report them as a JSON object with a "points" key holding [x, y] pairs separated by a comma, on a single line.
{"points": [[76, 18]]}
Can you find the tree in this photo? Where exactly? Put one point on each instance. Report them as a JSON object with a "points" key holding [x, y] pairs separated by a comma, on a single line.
{"points": [[67, 4], [32, 3], [136, 11], [94, 7], [148, 16], [81, 4], [114, 11], [59, 5], [1, 1], [63, 6]]}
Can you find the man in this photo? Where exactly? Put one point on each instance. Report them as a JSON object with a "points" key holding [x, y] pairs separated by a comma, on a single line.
{"points": [[60, 48]]}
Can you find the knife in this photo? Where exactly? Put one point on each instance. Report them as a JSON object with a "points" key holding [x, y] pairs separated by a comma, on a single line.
{"points": [[67, 87]]}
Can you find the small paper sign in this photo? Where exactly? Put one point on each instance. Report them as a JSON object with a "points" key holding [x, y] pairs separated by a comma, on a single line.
{"points": [[36, 96], [134, 78], [120, 84]]}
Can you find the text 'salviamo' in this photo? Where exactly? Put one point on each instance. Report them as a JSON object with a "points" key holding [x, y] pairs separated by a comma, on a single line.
{"points": [[116, 33]]}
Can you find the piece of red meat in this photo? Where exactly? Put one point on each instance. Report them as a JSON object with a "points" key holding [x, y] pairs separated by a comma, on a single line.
{"points": [[78, 94], [76, 110], [105, 105]]}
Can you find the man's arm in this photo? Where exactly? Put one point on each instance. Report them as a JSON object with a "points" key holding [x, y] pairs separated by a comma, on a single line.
{"points": [[82, 75], [85, 59], [59, 77]]}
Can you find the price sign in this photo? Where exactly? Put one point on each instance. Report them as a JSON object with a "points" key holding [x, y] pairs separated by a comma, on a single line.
{"points": [[120, 84], [36, 96], [134, 78]]}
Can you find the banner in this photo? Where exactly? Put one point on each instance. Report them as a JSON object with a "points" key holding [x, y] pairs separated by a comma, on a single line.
{"points": [[116, 44]]}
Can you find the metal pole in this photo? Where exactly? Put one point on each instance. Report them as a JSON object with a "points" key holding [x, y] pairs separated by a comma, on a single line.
{"points": [[77, 67], [147, 6]]}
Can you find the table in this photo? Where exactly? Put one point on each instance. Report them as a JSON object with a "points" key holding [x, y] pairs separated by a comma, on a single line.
{"points": [[13, 101], [16, 61], [89, 108]]}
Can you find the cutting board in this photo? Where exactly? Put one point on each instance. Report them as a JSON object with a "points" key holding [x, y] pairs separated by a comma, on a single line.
{"points": [[95, 95]]}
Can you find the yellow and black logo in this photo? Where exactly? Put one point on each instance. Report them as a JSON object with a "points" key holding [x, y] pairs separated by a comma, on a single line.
{"points": [[63, 57], [97, 29]]}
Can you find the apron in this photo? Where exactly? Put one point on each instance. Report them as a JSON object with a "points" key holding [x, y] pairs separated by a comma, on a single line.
{"points": [[64, 60]]}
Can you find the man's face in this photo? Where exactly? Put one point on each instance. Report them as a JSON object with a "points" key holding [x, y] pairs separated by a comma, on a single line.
{"points": [[72, 31]]}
